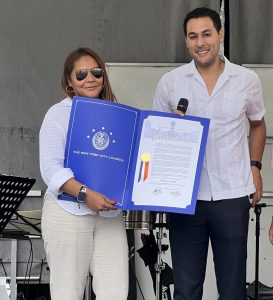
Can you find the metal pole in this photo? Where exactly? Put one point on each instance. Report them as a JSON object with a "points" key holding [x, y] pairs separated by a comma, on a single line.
{"points": [[13, 270], [87, 294], [159, 265], [257, 210]]}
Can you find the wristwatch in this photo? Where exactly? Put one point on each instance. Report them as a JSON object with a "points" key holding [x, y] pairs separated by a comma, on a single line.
{"points": [[256, 163], [81, 198]]}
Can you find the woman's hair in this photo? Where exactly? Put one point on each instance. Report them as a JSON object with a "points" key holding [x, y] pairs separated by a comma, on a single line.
{"points": [[106, 92]]}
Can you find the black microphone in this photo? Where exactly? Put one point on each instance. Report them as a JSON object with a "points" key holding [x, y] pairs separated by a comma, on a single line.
{"points": [[183, 105]]}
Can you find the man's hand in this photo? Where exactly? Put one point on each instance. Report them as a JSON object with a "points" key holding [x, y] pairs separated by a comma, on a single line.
{"points": [[257, 136], [178, 112]]}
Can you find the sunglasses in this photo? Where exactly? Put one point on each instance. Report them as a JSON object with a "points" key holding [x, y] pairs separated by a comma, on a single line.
{"points": [[83, 73]]}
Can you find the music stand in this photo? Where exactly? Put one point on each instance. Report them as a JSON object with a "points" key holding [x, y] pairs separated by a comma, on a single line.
{"points": [[13, 190]]}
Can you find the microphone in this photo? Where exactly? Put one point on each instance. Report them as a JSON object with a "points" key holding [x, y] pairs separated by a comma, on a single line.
{"points": [[183, 105]]}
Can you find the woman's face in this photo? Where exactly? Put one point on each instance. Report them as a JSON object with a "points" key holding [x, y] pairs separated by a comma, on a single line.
{"points": [[86, 78]]}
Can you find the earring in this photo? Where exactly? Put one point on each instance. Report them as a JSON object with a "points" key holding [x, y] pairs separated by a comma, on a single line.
{"points": [[69, 89]]}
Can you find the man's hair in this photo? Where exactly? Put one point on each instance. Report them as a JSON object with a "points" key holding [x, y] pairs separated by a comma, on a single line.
{"points": [[202, 12]]}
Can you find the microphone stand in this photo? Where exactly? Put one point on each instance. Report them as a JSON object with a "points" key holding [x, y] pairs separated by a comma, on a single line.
{"points": [[257, 211]]}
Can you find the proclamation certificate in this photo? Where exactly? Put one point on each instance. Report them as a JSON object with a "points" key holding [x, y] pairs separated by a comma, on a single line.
{"points": [[166, 163]]}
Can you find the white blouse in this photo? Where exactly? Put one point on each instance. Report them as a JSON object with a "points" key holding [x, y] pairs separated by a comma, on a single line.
{"points": [[52, 142]]}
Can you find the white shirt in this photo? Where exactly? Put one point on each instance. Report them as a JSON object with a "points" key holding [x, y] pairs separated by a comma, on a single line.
{"points": [[52, 154], [237, 95]]}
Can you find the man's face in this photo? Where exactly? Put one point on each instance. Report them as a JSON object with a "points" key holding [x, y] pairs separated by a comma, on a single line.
{"points": [[203, 41]]}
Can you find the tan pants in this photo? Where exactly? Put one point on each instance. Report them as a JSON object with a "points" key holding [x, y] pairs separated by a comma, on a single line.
{"points": [[77, 245]]}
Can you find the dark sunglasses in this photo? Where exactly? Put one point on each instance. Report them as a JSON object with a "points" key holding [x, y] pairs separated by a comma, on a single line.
{"points": [[82, 74]]}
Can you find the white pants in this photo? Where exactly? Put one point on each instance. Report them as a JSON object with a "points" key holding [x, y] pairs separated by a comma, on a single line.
{"points": [[77, 245]]}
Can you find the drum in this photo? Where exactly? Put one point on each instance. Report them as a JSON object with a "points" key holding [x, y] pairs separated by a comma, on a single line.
{"points": [[139, 219]]}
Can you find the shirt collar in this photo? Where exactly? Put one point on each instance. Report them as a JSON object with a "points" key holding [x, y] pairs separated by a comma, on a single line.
{"points": [[67, 101], [229, 69]]}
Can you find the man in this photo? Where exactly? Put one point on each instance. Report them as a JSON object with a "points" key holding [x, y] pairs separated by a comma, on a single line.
{"points": [[227, 94]]}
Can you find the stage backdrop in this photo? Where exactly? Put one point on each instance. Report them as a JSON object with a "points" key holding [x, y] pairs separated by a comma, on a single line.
{"points": [[251, 31], [36, 36]]}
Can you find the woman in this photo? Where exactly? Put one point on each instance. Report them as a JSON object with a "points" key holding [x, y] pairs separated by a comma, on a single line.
{"points": [[88, 234]]}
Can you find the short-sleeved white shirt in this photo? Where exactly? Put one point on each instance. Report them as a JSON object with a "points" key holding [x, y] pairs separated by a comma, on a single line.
{"points": [[237, 95], [52, 141]]}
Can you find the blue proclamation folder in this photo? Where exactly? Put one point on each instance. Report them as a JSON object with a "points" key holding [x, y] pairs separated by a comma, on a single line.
{"points": [[118, 150]]}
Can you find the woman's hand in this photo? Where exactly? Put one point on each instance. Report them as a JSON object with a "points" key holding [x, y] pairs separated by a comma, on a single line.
{"points": [[95, 201], [98, 202]]}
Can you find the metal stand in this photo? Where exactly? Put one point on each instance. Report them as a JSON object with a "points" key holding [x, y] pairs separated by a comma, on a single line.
{"points": [[13, 190], [159, 266], [151, 252], [258, 211]]}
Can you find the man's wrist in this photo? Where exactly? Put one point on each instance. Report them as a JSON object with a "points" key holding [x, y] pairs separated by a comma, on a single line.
{"points": [[256, 163]]}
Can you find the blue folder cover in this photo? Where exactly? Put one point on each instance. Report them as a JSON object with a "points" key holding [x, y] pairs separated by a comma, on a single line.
{"points": [[102, 148]]}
